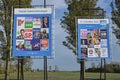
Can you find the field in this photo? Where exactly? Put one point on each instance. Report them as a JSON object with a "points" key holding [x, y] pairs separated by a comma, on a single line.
{"points": [[63, 75]]}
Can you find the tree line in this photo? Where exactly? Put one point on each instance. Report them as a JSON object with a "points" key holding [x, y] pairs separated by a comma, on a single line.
{"points": [[113, 67]]}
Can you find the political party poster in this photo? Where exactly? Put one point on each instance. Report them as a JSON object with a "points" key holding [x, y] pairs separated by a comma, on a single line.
{"points": [[32, 32], [93, 38]]}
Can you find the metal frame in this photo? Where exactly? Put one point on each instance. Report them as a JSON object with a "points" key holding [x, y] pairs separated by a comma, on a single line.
{"points": [[53, 17]]}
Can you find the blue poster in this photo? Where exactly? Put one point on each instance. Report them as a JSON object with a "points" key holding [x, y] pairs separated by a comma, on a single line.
{"points": [[32, 32], [93, 38]]}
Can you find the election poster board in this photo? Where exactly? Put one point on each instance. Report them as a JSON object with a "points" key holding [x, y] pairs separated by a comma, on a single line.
{"points": [[32, 32], [93, 38]]}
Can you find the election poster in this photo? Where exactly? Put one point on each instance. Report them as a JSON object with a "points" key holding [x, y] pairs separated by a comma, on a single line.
{"points": [[32, 32], [93, 38]]}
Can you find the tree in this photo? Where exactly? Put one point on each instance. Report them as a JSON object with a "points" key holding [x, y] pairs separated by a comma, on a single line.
{"points": [[93, 65], [27, 64], [5, 20], [56, 68], [50, 68], [113, 67], [76, 8], [116, 18]]}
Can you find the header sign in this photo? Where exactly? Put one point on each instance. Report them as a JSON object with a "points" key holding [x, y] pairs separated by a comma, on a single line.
{"points": [[93, 38], [32, 32], [33, 11]]}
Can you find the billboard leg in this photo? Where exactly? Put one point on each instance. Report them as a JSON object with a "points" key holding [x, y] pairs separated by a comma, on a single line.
{"points": [[82, 72], [104, 69], [22, 71], [101, 70], [18, 75], [45, 68]]}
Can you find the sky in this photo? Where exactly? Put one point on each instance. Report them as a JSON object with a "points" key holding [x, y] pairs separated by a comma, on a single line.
{"points": [[64, 58]]}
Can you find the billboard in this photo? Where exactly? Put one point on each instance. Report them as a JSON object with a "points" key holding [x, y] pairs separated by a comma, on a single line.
{"points": [[32, 32], [93, 38]]}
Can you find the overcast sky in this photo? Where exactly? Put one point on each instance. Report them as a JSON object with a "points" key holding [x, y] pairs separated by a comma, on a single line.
{"points": [[64, 58]]}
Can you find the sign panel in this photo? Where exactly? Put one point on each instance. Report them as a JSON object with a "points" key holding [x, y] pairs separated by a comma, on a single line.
{"points": [[93, 38], [32, 32]]}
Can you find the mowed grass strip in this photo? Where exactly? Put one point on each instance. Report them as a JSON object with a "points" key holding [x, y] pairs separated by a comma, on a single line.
{"points": [[62, 75]]}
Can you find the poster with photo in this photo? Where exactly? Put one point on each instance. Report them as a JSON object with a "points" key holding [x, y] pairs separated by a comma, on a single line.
{"points": [[97, 52], [27, 45], [36, 33], [96, 33], [20, 34], [83, 41], [45, 22], [44, 44], [37, 22], [91, 52], [20, 22], [104, 52], [44, 33], [93, 38], [103, 34], [32, 32], [103, 43], [19, 44], [84, 52], [83, 33], [35, 45], [90, 37]]}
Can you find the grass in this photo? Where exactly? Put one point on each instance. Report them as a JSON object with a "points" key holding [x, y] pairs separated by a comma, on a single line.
{"points": [[63, 75]]}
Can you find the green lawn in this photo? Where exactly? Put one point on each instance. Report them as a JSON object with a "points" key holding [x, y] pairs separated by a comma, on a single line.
{"points": [[62, 76]]}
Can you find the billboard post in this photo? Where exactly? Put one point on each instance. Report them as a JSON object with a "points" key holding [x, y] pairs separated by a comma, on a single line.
{"points": [[45, 57]]}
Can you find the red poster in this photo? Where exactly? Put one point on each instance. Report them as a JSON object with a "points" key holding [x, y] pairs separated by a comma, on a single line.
{"points": [[28, 34]]}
